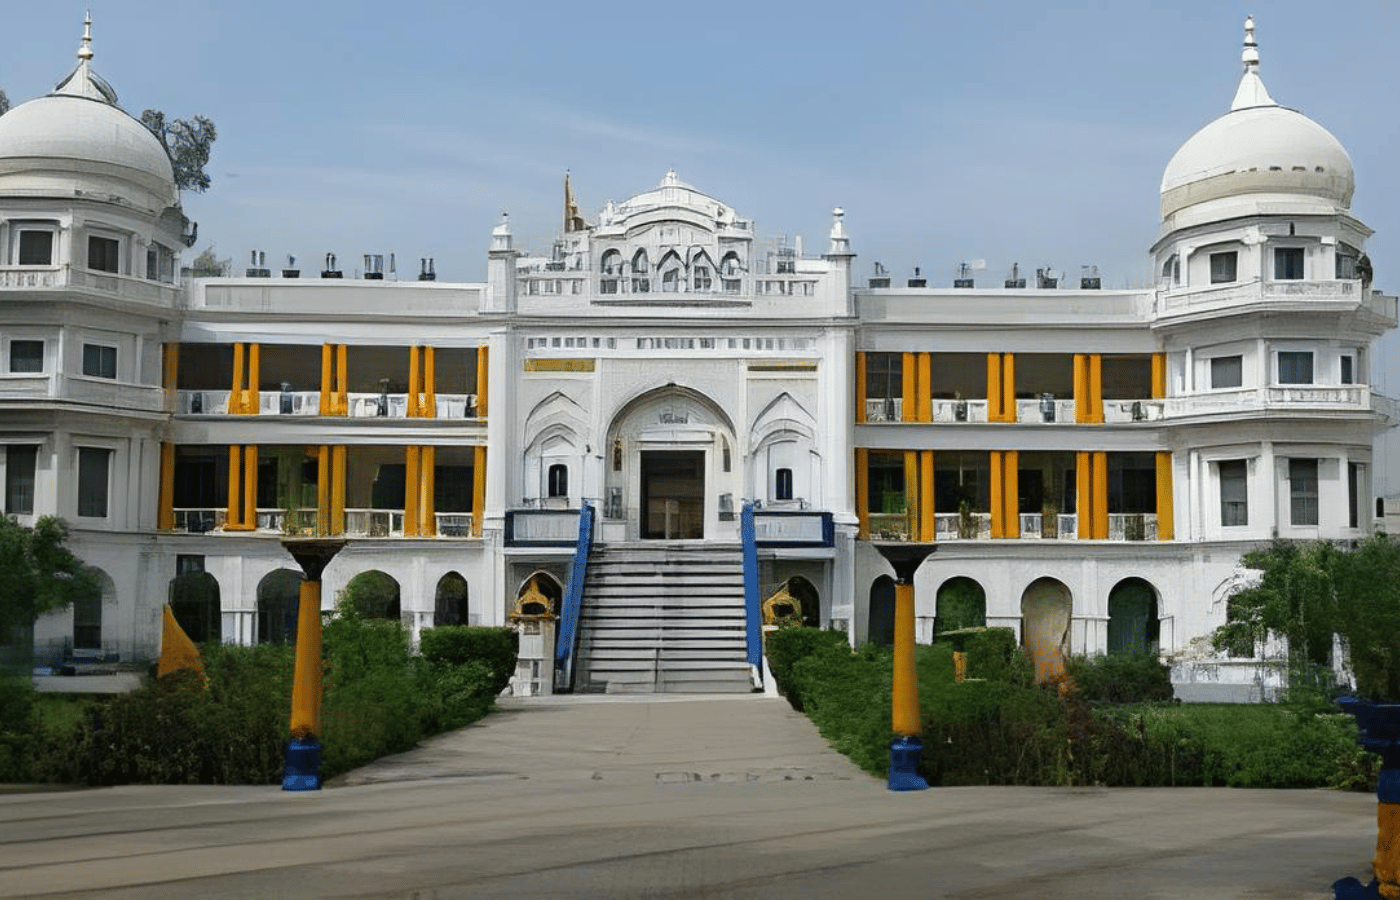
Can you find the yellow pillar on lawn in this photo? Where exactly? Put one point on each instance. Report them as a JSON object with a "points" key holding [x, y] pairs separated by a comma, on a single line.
{"points": [[1166, 512], [165, 506], [905, 706], [306, 678], [1159, 376], [428, 461], [927, 514], [1386, 862], [483, 381], [908, 388], [998, 485], [860, 386], [863, 493], [478, 489]]}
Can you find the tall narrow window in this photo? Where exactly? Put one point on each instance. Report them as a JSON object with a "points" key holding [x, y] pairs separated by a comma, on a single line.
{"points": [[558, 480], [26, 356], [1353, 495], [1302, 491], [93, 465], [1295, 367], [782, 484], [1348, 375], [104, 254], [19, 479], [1234, 492], [99, 361], [641, 284], [1223, 267], [1288, 263]]}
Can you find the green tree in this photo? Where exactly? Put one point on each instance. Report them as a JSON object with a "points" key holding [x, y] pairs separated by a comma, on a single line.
{"points": [[4, 103], [208, 265], [1295, 596], [187, 142], [38, 575]]}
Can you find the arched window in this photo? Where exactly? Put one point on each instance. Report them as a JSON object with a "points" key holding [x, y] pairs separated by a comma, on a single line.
{"points": [[450, 601], [612, 271], [641, 268], [880, 613], [372, 595], [782, 484], [962, 603], [731, 270], [558, 480], [278, 599], [672, 276], [701, 272], [194, 598]]}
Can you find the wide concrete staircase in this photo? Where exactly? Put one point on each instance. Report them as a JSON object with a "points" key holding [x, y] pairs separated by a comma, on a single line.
{"points": [[662, 618]]}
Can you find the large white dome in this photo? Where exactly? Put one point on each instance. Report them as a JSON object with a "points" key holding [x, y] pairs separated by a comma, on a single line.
{"points": [[1259, 147]]}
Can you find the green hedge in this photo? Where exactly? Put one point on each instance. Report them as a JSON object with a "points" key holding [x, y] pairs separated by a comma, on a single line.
{"points": [[497, 648], [377, 699]]}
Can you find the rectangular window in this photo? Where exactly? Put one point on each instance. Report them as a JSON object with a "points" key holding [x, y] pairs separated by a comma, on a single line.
{"points": [[93, 464], [99, 361], [1223, 267], [1353, 495], [1348, 373], [19, 479], [1295, 367], [558, 480], [104, 254], [35, 248], [782, 484], [1302, 491], [1234, 492], [26, 356], [1227, 372], [1288, 263]]}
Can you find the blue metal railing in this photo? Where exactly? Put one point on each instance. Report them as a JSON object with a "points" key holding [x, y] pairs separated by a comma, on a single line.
{"points": [[753, 633], [573, 595]]}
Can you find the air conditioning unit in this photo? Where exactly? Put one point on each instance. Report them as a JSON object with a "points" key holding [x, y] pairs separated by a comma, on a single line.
{"points": [[964, 282]]}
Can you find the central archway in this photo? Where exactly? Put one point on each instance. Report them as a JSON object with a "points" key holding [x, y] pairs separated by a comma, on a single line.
{"points": [[670, 470]]}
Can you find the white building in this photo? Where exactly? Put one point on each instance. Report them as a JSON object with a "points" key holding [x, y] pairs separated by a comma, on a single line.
{"points": [[1091, 463]]}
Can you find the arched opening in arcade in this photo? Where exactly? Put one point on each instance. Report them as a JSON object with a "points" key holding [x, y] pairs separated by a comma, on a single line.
{"points": [[880, 616], [372, 595], [97, 592], [1046, 605], [194, 598], [279, 594], [450, 601], [1133, 626], [962, 603]]}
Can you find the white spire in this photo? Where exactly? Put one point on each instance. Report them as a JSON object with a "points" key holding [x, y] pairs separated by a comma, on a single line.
{"points": [[82, 82], [1251, 91], [840, 243]]}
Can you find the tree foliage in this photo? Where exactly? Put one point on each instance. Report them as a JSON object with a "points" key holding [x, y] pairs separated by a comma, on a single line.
{"points": [[187, 142], [38, 573], [4, 103], [208, 265]]}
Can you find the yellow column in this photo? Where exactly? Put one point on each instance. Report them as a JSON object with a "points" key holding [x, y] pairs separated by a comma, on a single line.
{"points": [[1095, 387], [993, 388], [413, 386], [233, 517], [326, 360], [478, 489], [235, 397], [429, 405], [1100, 462], [1386, 862], [1008, 388], [1159, 376], [306, 678], [998, 504], [165, 506], [905, 688], [411, 490], [250, 486], [860, 386], [1081, 388], [483, 381], [342, 380], [863, 493], [911, 492], [170, 366], [1011, 494], [1166, 511], [923, 386], [323, 487], [1084, 501], [252, 406], [337, 524], [927, 514], [908, 378], [428, 462]]}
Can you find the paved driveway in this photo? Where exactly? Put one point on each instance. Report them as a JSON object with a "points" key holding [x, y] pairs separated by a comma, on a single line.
{"points": [[732, 797]]}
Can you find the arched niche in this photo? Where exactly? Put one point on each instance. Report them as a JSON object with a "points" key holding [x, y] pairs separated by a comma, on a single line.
{"points": [[279, 595], [962, 603], [450, 601], [373, 595], [880, 616], [1133, 626], [1046, 605], [194, 598]]}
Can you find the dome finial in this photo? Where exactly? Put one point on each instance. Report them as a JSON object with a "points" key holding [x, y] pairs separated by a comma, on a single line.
{"points": [[1250, 56], [85, 51]]}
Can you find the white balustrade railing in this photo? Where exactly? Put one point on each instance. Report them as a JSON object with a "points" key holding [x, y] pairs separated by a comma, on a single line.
{"points": [[197, 520], [453, 524], [374, 522]]}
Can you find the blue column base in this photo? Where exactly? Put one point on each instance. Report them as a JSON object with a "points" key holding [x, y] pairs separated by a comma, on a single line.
{"points": [[904, 765], [1351, 889], [303, 771]]}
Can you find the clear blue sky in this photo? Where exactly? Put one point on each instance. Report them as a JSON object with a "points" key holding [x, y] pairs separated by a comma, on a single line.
{"points": [[1009, 131]]}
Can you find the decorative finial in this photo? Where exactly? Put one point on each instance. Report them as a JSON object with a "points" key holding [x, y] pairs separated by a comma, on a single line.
{"points": [[85, 51], [1250, 56]]}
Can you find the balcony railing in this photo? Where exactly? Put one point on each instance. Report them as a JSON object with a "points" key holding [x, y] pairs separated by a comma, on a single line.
{"points": [[198, 521], [1034, 527], [308, 403], [453, 524], [374, 522], [1132, 410], [1339, 396], [120, 287]]}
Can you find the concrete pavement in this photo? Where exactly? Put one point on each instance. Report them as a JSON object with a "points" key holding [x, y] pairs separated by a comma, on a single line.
{"points": [[734, 797]]}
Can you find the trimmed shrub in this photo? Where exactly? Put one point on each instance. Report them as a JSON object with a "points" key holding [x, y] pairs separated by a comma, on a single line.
{"points": [[786, 646], [1121, 678], [455, 645], [17, 723]]}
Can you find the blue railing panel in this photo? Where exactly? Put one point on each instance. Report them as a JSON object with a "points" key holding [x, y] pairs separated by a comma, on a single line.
{"points": [[753, 620], [573, 591]]}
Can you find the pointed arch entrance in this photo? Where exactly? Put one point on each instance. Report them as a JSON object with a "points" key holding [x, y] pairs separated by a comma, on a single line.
{"points": [[671, 473]]}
